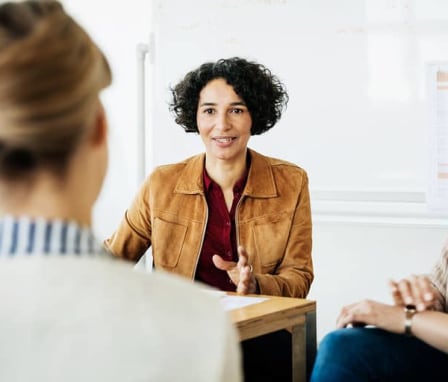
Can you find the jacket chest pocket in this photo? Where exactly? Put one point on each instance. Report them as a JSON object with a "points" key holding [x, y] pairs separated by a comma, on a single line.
{"points": [[168, 239], [270, 239]]}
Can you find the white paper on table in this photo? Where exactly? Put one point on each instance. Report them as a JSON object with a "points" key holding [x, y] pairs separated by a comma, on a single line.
{"points": [[437, 87], [229, 302], [235, 302]]}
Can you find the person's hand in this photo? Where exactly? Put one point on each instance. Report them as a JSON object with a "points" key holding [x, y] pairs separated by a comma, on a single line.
{"points": [[414, 290], [240, 273], [367, 312]]}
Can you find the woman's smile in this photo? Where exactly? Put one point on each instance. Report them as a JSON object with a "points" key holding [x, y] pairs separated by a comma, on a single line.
{"points": [[224, 141], [224, 122]]}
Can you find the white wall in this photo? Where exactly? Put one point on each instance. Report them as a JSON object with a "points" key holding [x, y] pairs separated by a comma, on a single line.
{"points": [[358, 245], [117, 27]]}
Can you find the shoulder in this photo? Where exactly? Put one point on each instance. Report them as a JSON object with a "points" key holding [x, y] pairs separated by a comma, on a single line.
{"points": [[281, 166], [165, 177], [101, 285], [149, 315], [83, 273], [172, 170]]}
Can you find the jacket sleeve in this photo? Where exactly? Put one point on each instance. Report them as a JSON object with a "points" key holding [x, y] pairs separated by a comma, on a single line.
{"points": [[294, 274], [133, 236]]}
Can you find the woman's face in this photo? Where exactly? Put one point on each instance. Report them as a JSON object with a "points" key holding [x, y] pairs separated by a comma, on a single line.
{"points": [[224, 122]]}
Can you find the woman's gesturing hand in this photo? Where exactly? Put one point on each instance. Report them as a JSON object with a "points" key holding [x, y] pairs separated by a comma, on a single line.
{"points": [[241, 272]]}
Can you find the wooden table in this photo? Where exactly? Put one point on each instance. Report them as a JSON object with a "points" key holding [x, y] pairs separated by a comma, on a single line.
{"points": [[276, 313]]}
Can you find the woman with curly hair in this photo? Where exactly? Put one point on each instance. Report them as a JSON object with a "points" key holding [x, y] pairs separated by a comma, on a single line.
{"points": [[231, 217]]}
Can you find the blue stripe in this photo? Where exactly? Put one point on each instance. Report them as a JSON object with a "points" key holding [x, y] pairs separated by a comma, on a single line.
{"points": [[25, 235], [78, 241], [31, 234], [91, 243], [64, 239], [47, 238], [15, 233]]}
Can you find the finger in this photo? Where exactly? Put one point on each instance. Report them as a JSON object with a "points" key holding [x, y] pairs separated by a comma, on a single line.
{"points": [[344, 320], [245, 278], [229, 266], [396, 295], [222, 264], [358, 314], [427, 293], [415, 290], [345, 315], [406, 292], [427, 288], [243, 257], [420, 286]]}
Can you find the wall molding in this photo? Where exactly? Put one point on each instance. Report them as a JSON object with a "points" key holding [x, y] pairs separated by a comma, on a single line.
{"points": [[375, 207]]}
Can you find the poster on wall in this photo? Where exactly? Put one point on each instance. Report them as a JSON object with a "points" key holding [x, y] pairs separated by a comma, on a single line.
{"points": [[437, 85]]}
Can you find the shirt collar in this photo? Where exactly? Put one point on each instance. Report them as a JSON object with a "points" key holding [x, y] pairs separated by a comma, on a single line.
{"points": [[37, 236], [239, 185], [260, 179]]}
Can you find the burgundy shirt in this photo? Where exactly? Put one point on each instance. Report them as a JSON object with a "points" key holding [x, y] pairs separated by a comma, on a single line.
{"points": [[220, 234]]}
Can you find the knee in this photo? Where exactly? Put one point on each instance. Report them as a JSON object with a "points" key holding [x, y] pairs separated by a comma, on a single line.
{"points": [[339, 356], [343, 345], [332, 343]]}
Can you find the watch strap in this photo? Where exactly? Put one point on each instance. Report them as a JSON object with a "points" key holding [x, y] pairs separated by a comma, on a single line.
{"points": [[409, 311]]}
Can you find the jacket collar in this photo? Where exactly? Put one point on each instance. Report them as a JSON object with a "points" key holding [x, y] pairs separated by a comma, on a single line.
{"points": [[260, 181]]}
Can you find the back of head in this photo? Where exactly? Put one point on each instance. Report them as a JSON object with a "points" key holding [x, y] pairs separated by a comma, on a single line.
{"points": [[51, 73]]}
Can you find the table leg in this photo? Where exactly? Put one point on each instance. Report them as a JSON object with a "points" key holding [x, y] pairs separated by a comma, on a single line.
{"points": [[311, 342], [303, 348], [299, 353]]}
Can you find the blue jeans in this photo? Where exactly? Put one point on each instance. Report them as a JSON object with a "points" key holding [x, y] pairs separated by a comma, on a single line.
{"points": [[371, 354]]}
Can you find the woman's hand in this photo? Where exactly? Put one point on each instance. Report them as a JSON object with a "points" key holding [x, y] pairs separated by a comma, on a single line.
{"points": [[240, 273], [367, 312], [414, 290]]}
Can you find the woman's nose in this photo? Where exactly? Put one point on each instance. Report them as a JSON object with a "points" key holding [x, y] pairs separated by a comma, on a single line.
{"points": [[222, 121]]}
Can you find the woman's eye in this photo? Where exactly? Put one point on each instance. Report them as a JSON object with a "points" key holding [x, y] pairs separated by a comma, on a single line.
{"points": [[208, 111], [237, 111]]}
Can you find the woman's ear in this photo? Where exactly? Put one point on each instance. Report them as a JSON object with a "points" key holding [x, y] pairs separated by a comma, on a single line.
{"points": [[99, 133]]}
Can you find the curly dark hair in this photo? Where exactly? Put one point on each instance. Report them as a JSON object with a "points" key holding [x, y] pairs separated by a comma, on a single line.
{"points": [[263, 93]]}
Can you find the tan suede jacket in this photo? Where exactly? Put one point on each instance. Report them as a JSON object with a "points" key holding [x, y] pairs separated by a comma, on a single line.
{"points": [[273, 222]]}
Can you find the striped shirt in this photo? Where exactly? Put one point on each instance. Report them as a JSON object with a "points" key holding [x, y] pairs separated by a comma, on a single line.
{"points": [[439, 277], [35, 236]]}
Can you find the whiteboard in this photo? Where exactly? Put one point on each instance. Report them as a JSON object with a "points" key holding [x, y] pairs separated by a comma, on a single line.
{"points": [[355, 73]]}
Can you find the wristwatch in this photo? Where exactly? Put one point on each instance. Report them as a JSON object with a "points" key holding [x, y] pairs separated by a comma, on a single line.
{"points": [[409, 311]]}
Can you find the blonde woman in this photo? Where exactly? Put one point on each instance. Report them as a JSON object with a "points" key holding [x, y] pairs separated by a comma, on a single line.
{"points": [[404, 341], [69, 312]]}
